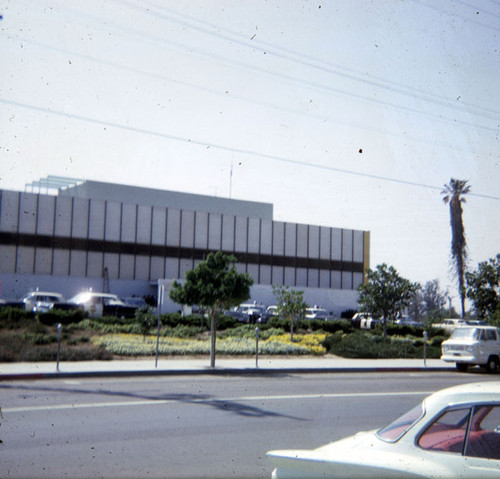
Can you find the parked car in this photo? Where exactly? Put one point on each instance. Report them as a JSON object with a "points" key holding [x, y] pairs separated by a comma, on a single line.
{"points": [[449, 324], [473, 345], [452, 433], [272, 311], [316, 313], [364, 321], [103, 304], [137, 302], [42, 301], [407, 321], [249, 313]]}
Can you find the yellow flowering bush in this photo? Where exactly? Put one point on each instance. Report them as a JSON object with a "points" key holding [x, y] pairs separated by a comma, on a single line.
{"points": [[137, 345]]}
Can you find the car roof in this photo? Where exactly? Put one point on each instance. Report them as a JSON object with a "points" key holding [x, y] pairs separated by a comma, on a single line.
{"points": [[94, 293], [42, 293], [487, 391], [476, 326]]}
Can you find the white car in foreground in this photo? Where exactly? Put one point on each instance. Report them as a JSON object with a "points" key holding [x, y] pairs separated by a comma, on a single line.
{"points": [[452, 433]]}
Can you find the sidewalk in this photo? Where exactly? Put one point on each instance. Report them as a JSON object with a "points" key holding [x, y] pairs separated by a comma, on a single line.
{"points": [[176, 366]]}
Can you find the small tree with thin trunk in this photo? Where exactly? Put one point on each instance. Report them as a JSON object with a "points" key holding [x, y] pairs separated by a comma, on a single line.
{"points": [[291, 305], [215, 285]]}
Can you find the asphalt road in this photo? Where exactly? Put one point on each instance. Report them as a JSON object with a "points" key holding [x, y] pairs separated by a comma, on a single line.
{"points": [[204, 426]]}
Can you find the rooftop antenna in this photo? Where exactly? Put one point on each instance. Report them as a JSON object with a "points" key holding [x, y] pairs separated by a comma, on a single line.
{"points": [[231, 180]]}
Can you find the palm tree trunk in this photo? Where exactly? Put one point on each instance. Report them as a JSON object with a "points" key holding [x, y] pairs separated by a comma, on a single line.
{"points": [[458, 248]]}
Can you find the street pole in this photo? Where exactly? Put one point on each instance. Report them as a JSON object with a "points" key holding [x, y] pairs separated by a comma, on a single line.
{"points": [[257, 347], [425, 347], [160, 301], [59, 328]]}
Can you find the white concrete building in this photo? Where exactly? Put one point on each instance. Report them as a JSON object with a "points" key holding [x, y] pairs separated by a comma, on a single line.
{"points": [[68, 235]]}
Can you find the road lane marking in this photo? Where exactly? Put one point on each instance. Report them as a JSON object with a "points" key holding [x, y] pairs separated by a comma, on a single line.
{"points": [[150, 402]]}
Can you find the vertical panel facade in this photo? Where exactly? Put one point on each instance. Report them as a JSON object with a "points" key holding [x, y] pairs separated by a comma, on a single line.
{"points": [[74, 236]]}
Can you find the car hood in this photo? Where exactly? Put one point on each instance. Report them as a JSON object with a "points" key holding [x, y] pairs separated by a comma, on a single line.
{"points": [[452, 341], [363, 455]]}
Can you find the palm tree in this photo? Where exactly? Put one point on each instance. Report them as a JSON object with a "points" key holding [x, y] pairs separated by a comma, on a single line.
{"points": [[453, 193]]}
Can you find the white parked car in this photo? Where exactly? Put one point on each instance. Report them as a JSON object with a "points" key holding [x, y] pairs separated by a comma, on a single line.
{"points": [[316, 312], [449, 324], [453, 433], [103, 304], [272, 311], [43, 301], [39, 301]]}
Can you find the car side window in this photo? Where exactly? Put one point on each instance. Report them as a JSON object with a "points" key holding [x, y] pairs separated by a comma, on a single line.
{"points": [[490, 335], [447, 432], [484, 435]]}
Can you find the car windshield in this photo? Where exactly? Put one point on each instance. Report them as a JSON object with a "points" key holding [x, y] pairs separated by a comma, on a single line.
{"points": [[465, 333], [53, 299], [396, 429]]}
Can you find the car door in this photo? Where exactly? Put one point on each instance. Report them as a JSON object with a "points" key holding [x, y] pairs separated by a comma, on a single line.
{"points": [[463, 442], [95, 308], [482, 451], [488, 344]]}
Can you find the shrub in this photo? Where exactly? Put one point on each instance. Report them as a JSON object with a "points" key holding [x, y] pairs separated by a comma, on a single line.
{"points": [[279, 323], [12, 317], [24, 346], [113, 320], [94, 324], [175, 319], [343, 325], [180, 331], [145, 321], [367, 345], [55, 316], [226, 322], [404, 330], [41, 338]]}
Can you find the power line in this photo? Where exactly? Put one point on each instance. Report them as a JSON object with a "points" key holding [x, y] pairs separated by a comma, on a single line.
{"points": [[312, 62], [314, 85], [212, 91], [229, 148], [478, 9], [455, 15]]}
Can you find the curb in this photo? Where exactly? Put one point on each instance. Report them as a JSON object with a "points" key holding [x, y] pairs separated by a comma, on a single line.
{"points": [[217, 372]]}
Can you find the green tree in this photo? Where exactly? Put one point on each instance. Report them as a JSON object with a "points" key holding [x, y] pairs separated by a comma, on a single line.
{"points": [[291, 305], [215, 285], [483, 287], [385, 293], [428, 303], [453, 193], [146, 320]]}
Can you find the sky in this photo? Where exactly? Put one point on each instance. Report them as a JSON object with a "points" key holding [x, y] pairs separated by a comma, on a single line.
{"points": [[344, 113]]}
